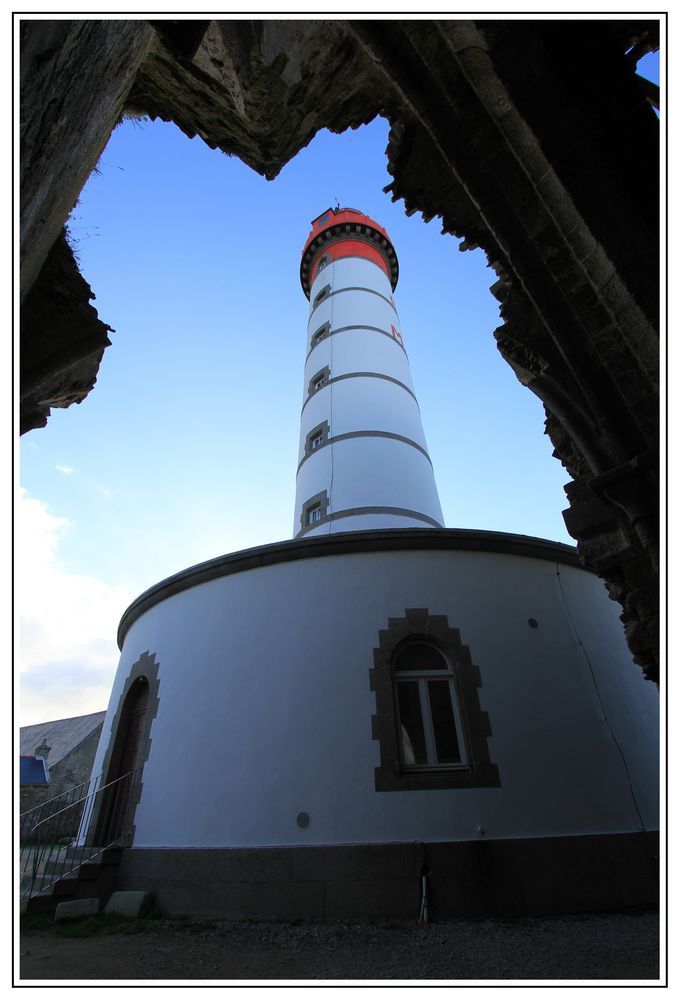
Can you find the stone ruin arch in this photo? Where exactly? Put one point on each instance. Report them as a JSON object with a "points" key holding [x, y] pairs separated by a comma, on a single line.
{"points": [[534, 140]]}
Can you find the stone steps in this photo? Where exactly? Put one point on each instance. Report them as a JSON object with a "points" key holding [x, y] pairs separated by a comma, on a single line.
{"points": [[95, 879]]}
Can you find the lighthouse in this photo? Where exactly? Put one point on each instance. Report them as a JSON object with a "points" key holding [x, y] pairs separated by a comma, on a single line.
{"points": [[317, 727], [363, 461]]}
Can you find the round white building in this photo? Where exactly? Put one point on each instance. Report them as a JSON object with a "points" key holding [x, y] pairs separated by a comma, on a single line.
{"points": [[315, 725]]}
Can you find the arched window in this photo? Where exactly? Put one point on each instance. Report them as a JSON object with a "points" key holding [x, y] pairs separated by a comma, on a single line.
{"points": [[430, 729]]}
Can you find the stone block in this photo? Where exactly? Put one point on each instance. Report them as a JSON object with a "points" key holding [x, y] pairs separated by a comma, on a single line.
{"points": [[282, 900], [129, 904], [205, 864], [373, 899], [76, 909]]}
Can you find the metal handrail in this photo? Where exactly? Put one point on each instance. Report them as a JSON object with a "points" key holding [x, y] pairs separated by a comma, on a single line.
{"points": [[47, 802], [39, 862], [83, 799], [27, 820]]}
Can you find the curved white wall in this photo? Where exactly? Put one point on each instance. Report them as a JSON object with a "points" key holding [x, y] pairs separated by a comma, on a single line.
{"points": [[372, 469], [376, 352], [364, 469], [265, 704]]}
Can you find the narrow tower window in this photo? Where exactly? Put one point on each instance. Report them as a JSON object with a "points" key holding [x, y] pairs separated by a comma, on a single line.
{"points": [[313, 510], [317, 437], [319, 334], [320, 296], [319, 380]]}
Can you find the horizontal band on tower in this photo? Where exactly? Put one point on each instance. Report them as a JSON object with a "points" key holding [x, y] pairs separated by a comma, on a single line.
{"points": [[353, 288], [347, 225], [357, 326], [345, 249], [359, 511], [365, 434], [341, 378]]}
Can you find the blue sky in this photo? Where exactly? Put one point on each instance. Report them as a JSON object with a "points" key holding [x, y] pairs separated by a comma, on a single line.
{"points": [[186, 448]]}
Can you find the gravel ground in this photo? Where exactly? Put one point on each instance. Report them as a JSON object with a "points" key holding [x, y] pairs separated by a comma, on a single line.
{"points": [[592, 947]]}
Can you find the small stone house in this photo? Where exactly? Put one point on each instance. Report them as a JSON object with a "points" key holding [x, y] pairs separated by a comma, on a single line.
{"points": [[68, 746]]}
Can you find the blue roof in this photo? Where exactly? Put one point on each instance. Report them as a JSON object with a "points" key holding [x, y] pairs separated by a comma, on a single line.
{"points": [[32, 771]]}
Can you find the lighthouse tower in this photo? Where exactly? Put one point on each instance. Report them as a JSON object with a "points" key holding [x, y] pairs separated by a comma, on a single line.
{"points": [[363, 461], [307, 727]]}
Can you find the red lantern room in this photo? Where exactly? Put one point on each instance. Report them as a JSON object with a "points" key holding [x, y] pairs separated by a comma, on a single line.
{"points": [[345, 232]]}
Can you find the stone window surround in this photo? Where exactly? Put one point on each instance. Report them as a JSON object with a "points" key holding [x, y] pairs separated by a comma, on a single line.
{"points": [[391, 775], [146, 667], [319, 334], [323, 376], [321, 295], [318, 500], [324, 430]]}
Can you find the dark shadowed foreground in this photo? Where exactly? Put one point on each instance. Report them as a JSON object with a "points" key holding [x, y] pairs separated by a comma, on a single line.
{"points": [[592, 947]]}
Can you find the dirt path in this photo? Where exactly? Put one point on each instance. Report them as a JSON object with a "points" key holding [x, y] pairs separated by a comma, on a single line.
{"points": [[619, 946]]}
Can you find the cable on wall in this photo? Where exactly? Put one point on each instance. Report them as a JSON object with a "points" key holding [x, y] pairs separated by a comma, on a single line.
{"points": [[600, 701]]}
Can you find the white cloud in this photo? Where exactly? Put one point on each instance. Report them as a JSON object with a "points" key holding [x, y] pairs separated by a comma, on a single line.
{"points": [[67, 623], [66, 469]]}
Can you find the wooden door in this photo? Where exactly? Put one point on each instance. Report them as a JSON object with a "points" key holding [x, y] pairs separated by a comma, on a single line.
{"points": [[115, 808]]}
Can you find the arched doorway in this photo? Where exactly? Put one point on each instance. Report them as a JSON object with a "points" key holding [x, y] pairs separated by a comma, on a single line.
{"points": [[127, 756]]}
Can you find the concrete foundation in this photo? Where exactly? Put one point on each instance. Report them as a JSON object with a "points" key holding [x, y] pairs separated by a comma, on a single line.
{"points": [[532, 876]]}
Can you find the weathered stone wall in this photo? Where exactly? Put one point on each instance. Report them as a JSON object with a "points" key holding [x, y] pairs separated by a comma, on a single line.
{"points": [[531, 139], [572, 281], [67, 339], [74, 77], [69, 772]]}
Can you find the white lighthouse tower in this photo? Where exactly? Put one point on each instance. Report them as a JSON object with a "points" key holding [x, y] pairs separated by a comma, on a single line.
{"points": [[363, 461], [310, 728]]}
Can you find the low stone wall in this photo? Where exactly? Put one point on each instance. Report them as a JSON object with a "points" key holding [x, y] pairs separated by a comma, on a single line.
{"points": [[374, 881]]}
